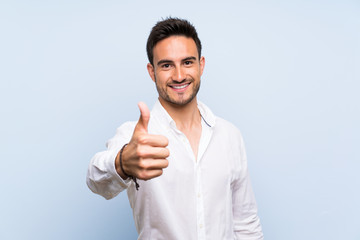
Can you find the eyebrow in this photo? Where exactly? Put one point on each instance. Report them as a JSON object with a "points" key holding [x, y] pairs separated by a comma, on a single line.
{"points": [[163, 61], [189, 58]]}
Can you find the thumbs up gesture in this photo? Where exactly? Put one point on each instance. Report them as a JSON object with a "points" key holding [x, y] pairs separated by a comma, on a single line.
{"points": [[145, 155]]}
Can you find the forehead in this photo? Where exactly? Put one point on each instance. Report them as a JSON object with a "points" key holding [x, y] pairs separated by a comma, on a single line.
{"points": [[175, 48]]}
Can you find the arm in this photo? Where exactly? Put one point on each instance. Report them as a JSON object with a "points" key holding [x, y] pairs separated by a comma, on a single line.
{"points": [[246, 221], [102, 177]]}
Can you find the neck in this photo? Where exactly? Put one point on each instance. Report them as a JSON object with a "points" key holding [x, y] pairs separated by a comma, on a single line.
{"points": [[186, 116]]}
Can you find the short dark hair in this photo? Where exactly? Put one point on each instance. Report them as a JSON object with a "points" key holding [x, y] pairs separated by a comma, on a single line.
{"points": [[171, 27]]}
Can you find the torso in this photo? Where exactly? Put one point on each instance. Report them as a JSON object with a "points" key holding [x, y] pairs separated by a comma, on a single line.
{"points": [[193, 135], [188, 121]]}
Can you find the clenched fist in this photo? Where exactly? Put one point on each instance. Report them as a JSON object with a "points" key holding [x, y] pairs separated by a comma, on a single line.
{"points": [[145, 155]]}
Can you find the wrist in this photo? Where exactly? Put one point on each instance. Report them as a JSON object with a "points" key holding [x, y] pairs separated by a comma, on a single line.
{"points": [[119, 164], [121, 170], [121, 161]]}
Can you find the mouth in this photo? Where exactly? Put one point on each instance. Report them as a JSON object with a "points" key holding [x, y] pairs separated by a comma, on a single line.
{"points": [[180, 87]]}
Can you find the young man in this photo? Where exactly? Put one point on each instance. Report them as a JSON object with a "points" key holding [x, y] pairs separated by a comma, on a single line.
{"points": [[184, 169]]}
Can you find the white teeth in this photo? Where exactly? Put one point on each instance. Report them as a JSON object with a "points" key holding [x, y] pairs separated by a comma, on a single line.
{"points": [[181, 87]]}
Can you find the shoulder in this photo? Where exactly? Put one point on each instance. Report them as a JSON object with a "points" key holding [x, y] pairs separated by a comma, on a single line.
{"points": [[224, 126], [222, 123], [219, 124]]}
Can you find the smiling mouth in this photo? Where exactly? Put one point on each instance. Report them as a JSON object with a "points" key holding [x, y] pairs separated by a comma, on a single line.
{"points": [[180, 86]]}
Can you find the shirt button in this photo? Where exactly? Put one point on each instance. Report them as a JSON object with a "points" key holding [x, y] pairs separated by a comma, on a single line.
{"points": [[200, 225], [198, 195]]}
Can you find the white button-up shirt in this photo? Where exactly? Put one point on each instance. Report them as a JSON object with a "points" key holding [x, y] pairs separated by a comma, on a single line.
{"points": [[205, 198]]}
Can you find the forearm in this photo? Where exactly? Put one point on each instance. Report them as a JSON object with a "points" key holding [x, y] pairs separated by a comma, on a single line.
{"points": [[102, 177], [246, 221]]}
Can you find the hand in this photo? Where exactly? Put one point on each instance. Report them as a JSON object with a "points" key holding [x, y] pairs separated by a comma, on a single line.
{"points": [[145, 155]]}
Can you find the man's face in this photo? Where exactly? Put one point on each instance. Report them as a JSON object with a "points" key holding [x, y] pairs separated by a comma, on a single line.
{"points": [[177, 70]]}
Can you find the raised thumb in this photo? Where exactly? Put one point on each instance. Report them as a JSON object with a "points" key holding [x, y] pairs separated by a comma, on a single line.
{"points": [[144, 116]]}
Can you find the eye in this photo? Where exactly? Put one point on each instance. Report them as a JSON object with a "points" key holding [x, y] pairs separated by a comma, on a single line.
{"points": [[166, 65], [187, 63]]}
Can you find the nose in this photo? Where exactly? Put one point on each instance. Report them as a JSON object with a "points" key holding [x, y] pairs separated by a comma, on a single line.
{"points": [[179, 74]]}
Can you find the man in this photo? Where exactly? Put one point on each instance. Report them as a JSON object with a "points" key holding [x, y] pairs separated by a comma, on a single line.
{"points": [[184, 169]]}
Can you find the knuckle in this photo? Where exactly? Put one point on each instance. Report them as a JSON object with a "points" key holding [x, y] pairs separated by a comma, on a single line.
{"points": [[140, 152], [142, 139], [143, 164], [142, 175]]}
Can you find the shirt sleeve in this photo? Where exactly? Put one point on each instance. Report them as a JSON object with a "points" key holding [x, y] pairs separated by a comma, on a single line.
{"points": [[102, 177], [246, 221]]}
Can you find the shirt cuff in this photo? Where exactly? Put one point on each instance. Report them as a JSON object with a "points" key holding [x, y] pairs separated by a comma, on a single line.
{"points": [[110, 165]]}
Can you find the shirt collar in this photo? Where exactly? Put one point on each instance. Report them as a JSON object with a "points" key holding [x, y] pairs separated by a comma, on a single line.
{"points": [[162, 115], [206, 114], [159, 112]]}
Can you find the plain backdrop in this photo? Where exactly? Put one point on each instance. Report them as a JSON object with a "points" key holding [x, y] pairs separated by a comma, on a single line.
{"points": [[286, 73]]}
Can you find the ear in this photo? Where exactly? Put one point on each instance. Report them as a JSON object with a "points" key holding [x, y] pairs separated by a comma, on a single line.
{"points": [[151, 71], [202, 65]]}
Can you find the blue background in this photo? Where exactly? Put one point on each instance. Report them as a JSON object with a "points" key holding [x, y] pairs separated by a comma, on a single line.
{"points": [[285, 72]]}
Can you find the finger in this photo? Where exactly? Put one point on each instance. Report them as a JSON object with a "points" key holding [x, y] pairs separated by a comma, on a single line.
{"points": [[144, 117], [152, 164], [152, 152], [147, 175], [159, 164], [153, 140], [156, 173]]}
